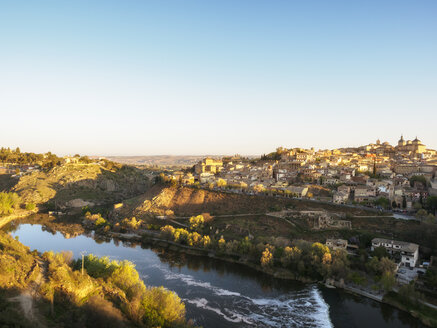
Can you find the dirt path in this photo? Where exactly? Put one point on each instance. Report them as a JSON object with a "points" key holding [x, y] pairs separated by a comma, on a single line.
{"points": [[26, 298], [26, 302]]}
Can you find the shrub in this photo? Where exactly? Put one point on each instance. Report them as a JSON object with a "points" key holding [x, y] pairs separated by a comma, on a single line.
{"points": [[100, 222], [196, 223], [30, 206], [162, 307], [9, 201]]}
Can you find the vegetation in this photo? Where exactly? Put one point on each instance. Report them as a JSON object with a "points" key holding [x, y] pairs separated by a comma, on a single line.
{"points": [[107, 294], [47, 160], [9, 202], [418, 178], [184, 237], [383, 202], [30, 206], [196, 223], [63, 184]]}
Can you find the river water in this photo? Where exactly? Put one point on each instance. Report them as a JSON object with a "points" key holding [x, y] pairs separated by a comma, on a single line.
{"points": [[221, 294]]}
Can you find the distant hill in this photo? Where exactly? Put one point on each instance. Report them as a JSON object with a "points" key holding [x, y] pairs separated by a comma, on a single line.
{"points": [[159, 160]]}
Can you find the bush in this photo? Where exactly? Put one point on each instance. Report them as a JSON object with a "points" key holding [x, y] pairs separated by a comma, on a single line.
{"points": [[9, 201], [162, 307], [196, 223], [30, 206]]}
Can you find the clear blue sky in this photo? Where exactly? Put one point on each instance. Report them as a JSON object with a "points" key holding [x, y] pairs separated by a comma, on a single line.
{"points": [[217, 77]]}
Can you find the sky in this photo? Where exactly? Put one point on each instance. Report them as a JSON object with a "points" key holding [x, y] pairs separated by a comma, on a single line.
{"points": [[215, 77]]}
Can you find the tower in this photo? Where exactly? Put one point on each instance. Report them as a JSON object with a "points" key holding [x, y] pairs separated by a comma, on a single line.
{"points": [[401, 141]]}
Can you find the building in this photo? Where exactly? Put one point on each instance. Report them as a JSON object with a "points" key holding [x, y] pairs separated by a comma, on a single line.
{"points": [[336, 244], [208, 165], [299, 191], [409, 146], [409, 252], [340, 197]]}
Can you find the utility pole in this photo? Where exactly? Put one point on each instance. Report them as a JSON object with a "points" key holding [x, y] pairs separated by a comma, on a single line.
{"points": [[83, 254]]}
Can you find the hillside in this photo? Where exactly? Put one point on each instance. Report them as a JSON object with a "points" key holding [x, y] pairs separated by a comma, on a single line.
{"points": [[184, 201], [75, 185], [237, 215], [49, 290]]}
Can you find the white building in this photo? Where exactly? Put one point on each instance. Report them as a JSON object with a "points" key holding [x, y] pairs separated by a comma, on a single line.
{"points": [[409, 252]]}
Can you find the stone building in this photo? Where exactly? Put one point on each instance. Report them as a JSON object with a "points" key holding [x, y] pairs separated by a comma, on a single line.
{"points": [[209, 165]]}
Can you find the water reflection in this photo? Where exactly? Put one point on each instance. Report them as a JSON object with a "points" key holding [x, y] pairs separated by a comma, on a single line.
{"points": [[221, 294]]}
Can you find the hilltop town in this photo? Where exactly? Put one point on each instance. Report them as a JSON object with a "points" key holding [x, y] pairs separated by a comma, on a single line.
{"points": [[294, 213], [378, 175]]}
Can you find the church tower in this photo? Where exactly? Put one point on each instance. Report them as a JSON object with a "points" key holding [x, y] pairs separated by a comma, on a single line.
{"points": [[401, 141]]}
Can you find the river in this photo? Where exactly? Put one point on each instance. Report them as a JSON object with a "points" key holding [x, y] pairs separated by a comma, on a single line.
{"points": [[221, 294]]}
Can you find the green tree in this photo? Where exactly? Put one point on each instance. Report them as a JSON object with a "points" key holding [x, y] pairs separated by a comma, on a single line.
{"points": [[383, 202], [388, 281], [380, 252], [386, 265], [431, 204]]}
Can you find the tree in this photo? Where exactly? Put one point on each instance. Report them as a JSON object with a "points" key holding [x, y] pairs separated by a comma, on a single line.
{"points": [[383, 202], [221, 243], [163, 308], [418, 178], [380, 252], [259, 188], [386, 265], [196, 223], [290, 255], [167, 232], [266, 258], [430, 218], [417, 206], [221, 183], [431, 204], [421, 213], [409, 294], [388, 281]]}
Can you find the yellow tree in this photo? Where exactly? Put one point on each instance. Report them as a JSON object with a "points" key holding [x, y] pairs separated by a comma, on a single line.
{"points": [[221, 183], [266, 258], [196, 222]]}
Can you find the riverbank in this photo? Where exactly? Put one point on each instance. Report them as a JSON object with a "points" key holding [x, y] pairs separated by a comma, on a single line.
{"points": [[209, 287], [152, 238], [4, 220], [426, 315]]}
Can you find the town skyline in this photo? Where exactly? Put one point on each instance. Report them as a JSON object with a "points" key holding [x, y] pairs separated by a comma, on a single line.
{"points": [[392, 141]]}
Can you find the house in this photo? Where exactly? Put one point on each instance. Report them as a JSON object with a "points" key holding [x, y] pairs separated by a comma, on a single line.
{"points": [[208, 165], [364, 193], [298, 191], [409, 251], [336, 243], [340, 197]]}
